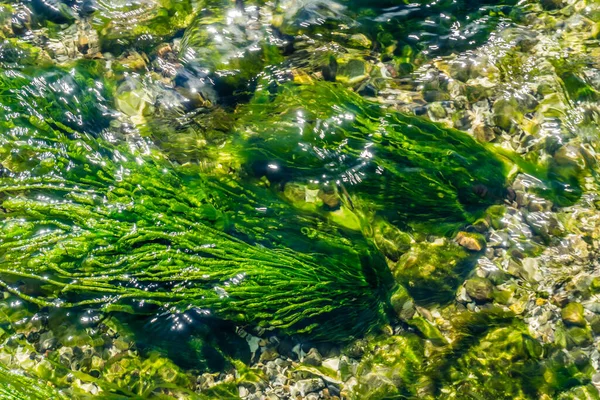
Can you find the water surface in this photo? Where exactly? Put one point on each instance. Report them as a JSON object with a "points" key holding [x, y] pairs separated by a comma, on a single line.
{"points": [[299, 199]]}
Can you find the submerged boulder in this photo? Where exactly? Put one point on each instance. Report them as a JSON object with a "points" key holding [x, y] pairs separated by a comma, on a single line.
{"points": [[431, 272]]}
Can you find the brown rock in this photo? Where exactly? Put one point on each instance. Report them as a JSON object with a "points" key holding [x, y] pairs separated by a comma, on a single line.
{"points": [[470, 241]]}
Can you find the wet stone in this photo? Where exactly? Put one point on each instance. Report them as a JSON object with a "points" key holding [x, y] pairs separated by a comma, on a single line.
{"points": [[306, 386], [313, 358], [471, 241], [572, 314], [479, 289]]}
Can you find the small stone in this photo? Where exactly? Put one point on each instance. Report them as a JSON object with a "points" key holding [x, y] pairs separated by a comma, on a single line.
{"points": [[83, 40], [431, 96], [499, 239], [306, 386], [551, 4], [506, 113], [330, 198], [479, 289], [560, 299], [164, 49], [540, 301], [332, 363], [437, 111], [48, 344], [357, 348], [269, 355], [347, 368], [313, 358], [572, 314], [33, 337], [470, 241], [403, 304], [579, 337], [354, 70], [530, 269], [484, 133], [359, 40]]}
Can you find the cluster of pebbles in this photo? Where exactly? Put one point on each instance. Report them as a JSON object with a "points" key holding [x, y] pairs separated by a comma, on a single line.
{"points": [[539, 260]]}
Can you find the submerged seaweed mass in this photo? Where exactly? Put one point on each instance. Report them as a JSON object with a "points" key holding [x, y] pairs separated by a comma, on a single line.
{"points": [[299, 199]]}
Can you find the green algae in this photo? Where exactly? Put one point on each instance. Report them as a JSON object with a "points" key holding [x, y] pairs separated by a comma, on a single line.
{"points": [[113, 225], [122, 25], [14, 385], [285, 252], [495, 356], [491, 355], [411, 172], [103, 361], [390, 369], [432, 272]]}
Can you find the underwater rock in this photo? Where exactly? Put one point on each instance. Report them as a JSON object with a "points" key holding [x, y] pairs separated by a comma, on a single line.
{"points": [[479, 289], [403, 304], [230, 47], [572, 314], [507, 114], [431, 273], [313, 358], [132, 100], [471, 241], [500, 353], [306, 386], [390, 368]]}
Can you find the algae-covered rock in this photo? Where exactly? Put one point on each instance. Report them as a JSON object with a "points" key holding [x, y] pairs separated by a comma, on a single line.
{"points": [[471, 241], [403, 304], [134, 101], [432, 272], [6, 14], [572, 314], [479, 289], [500, 364], [193, 138], [390, 240], [506, 114], [390, 368], [428, 330], [579, 337], [580, 392]]}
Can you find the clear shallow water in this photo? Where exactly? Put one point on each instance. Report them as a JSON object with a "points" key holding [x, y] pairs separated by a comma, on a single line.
{"points": [[309, 199]]}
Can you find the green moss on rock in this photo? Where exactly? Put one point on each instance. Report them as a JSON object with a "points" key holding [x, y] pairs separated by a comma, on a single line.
{"points": [[432, 272]]}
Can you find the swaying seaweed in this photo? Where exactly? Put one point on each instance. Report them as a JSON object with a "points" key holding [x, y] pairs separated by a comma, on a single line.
{"points": [[100, 221], [16, 386], [414, 172]]}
